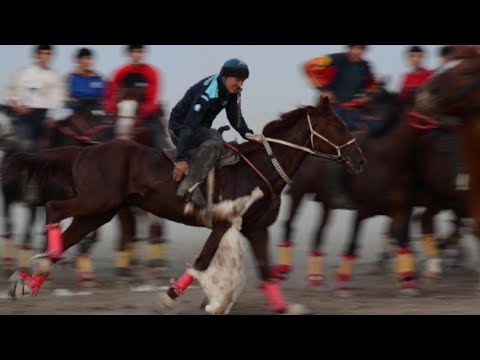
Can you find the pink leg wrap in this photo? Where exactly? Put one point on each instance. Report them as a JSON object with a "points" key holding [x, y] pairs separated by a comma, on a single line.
{"points": [[55, 241], [182, 283], [274, 296], [34, 282]]}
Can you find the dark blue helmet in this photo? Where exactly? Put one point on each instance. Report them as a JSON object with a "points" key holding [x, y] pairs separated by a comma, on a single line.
{"points": [[235, 68]]}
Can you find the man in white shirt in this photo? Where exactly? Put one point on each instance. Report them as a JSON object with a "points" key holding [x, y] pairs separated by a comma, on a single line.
{"points": [[35, 93]]}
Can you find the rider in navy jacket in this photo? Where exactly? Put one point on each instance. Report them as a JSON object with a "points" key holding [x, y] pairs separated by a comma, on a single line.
{"points": [[191, 121]]}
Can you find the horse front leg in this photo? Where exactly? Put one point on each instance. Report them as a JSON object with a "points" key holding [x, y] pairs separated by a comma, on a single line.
{"points": [[315, 272], [285, 262], [405, 262], [345, 269], [270, 285], [178, 287]]}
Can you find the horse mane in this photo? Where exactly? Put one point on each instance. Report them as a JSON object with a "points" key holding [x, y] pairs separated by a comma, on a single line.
{"points": [[285, 121]]}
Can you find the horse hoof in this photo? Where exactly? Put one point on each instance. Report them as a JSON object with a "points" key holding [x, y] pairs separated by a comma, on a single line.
{"points": [[165, 305], [297, 309], [315, 280], [88, 284], [432, 279], [409, 292], [18, 288], [85, 276]]}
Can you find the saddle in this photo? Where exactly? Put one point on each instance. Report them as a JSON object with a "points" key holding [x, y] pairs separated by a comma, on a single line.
{"points": [[227, 158]]}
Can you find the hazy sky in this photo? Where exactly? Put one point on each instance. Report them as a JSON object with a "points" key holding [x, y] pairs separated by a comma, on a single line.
{"points": [[276, 84]]}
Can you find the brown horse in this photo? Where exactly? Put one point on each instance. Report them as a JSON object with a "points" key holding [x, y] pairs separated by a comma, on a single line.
{"points": [[143, 176], [62, 134], [433, 187], [405, 169], [453, 96], [151, 131]]}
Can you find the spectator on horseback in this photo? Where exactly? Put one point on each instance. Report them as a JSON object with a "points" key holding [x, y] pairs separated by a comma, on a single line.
{"points": [[85, 86], [140, 69], [35, 93], [418, 75], [346, 78], [190, 126]]}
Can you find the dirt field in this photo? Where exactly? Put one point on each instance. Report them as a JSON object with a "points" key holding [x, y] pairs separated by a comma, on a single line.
{"points": [[372, 294]]}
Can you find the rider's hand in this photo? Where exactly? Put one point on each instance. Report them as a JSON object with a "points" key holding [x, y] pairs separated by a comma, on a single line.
{"points": [[181, 169], [257, 138]]}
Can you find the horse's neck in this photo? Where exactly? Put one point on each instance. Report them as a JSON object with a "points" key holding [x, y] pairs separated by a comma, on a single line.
{"points": [[398, 143], [290, 159]]}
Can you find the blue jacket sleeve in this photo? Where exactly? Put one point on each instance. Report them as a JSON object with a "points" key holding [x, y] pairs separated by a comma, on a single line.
{"points": [[235, 117]]}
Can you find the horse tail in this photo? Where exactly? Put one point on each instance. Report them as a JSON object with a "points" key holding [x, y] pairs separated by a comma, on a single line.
{"points": [[41, 166]]}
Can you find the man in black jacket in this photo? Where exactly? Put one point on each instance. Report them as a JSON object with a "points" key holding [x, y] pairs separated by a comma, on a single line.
{"points": [[190, 126]]}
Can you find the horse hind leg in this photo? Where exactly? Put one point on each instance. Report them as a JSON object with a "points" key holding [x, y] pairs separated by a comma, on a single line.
{"points": [[124, 253], [85, 272], [26, 284]]}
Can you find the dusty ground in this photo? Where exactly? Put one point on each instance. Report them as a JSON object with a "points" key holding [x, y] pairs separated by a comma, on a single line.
{"points": [[373, 293]]}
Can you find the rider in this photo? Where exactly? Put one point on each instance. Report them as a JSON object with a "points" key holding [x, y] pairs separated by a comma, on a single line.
{"points": [[191, 121], [35, 92], [138, 73], [136, 54], [85, 86], [346, 78], [417, 77]]}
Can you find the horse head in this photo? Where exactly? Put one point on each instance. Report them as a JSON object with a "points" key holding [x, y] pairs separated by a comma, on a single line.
{"points": [[454, 89], [320, 130]]}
